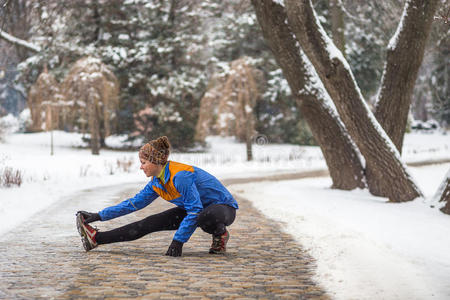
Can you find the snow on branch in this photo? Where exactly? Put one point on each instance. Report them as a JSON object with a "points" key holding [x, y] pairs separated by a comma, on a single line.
{"points": [[19, 42], [349, 15], [394, 39], [444, 16]]}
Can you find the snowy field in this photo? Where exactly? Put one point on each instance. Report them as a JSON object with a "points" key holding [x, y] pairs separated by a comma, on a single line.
{"points": [[365, 248]]}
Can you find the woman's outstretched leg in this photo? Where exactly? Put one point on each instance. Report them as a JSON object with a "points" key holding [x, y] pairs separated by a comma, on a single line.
{"points": [[166, 220]]}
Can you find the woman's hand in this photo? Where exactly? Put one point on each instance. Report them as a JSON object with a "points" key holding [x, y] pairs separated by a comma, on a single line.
{"points": [[175, 248], [89, 217]]}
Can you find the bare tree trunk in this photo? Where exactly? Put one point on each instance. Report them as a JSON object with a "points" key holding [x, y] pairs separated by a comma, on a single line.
{"points": [[243, 100], [248, 115], [48, 117], [248, 143], [34, 104], [94, 124], [404, 58], [443, 194], [338, 79], [337, 24], [106, 120], [36, 117], [340, 154]]}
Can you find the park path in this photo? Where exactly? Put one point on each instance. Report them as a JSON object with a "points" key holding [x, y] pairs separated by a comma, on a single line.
{"points": [[43, 258]]}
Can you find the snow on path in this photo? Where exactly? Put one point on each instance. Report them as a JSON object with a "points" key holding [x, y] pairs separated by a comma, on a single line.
{"points": [[365, 248]]}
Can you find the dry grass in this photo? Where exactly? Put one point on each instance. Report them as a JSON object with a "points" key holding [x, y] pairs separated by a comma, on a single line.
{"points": [[125, 164], [10, 177]]}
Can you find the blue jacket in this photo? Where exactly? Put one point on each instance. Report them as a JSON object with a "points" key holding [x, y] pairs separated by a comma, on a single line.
{"points": [[188, 187]]}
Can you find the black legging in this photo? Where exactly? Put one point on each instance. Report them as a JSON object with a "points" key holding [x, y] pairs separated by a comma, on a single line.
{"points": [[212, 219]]}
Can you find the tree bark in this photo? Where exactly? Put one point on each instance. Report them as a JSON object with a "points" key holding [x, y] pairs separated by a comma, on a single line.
{"points": [[337, 24], [244, 100], [404, 58], [443, 194], [338, 79], [340, 154]]}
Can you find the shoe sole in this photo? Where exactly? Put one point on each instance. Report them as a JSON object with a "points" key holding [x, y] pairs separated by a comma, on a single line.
{"points": [[84, 238], [216, 252], [80, 228]]}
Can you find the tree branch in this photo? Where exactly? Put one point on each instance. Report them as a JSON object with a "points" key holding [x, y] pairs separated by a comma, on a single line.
{"points": [[314, 103], [18, 42], [404, 57]]}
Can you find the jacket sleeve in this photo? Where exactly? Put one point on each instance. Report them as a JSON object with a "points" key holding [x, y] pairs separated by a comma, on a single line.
{"points": [[139, 201], [185, 185]]}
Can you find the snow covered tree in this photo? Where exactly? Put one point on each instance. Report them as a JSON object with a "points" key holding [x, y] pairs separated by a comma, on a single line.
{"points": [[152, 46], [227, 108], [368, 27], [43, 101], [14, 22], [91, 92], [341, 157], [438, 83], [163, 53], [15, 18], [232, 32], [338, 79], [404, 58], [207, 117], [241, 89]]}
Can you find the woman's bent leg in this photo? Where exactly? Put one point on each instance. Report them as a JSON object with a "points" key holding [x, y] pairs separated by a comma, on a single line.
{"points": [[215, 218], [166, 220]]}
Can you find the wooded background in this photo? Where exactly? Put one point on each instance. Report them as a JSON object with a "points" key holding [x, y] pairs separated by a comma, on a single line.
{"points": [[166, 56]]}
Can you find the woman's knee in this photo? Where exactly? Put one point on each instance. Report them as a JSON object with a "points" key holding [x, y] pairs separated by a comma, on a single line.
{"points": [[204, 221]]}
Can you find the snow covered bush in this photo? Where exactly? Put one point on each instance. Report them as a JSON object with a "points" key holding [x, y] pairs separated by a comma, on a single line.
{"points": [[8, 124], [24, 120]]}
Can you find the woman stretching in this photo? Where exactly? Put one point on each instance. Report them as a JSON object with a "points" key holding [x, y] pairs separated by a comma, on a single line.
{"points": [[200, 199]]}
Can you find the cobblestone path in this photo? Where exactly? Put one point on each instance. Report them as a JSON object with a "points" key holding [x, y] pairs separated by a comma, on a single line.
{"points": [[44, 259]]}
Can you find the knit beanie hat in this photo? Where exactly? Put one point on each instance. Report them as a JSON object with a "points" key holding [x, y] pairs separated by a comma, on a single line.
{"points": [[156, 151]]}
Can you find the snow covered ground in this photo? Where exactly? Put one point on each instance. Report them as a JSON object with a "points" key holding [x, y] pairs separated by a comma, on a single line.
{"points": [[365, 248], [49, 178]]}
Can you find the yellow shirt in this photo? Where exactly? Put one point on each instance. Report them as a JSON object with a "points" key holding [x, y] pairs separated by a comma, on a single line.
{"points": [[161, 175]]}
